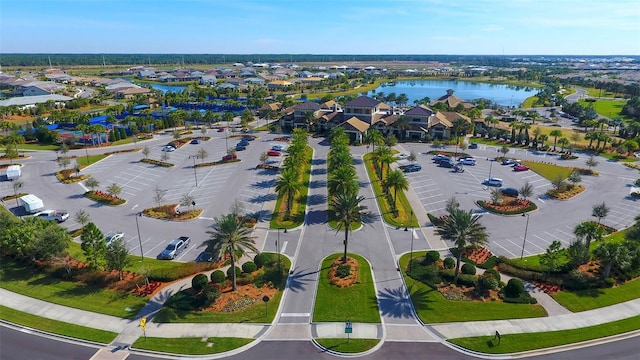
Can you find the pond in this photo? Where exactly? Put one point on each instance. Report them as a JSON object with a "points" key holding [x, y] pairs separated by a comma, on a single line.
{"points": [[504, 95], [167, 88]]}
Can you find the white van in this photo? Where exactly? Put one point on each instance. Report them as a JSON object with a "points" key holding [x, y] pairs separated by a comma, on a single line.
{"points": [[13, 172]]}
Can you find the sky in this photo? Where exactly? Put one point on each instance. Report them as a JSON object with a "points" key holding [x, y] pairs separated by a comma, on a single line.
{"points": [[458, 27]]}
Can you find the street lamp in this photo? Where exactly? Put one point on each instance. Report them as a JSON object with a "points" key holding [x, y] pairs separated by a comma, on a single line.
{"points": [[139, 238], [411, 248], [195, 175], [525, 235], [278, 250]]}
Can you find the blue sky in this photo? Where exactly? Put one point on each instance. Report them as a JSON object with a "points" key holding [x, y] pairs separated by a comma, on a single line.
{"points": [[547, 27]]}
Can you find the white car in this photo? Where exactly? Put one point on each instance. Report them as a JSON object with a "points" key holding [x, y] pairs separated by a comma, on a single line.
{"points": [[51, 215], [402, 156], [467, 161], [112, 237], [492, 182]]}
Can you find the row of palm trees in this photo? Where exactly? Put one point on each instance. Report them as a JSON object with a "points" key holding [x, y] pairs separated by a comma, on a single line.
{"points": [[391, 180], [290, 180]]}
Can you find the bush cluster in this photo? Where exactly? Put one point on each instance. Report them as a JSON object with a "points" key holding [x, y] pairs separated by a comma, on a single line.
{"points": [[217, 277], [468, 269], [249, 267], [449, 263], [431, 257]]}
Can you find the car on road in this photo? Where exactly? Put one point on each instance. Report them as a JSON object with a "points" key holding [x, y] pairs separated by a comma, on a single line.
{"points": [[174, 248], [194, 141], [229, 157], [492, 182], [412, 168], [473, 145], [273, 153], [511, 192], [113, 237], [467, 161], [51, 215], [507, 161], [169, 148], [240, 147], [520, 167]]}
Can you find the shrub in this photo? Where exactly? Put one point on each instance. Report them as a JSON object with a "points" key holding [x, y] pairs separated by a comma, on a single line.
{"points": [[468, 269], [263, 259], [514, 288], [249, 267], [238, 272], [449, 263], [577, 280], [494, 273], [609, 282], [343, 271], [431, 257], [490, 263], [467, 280], [245, 279], [199, 282], [210, 294], [447, 274], [426, 274], [182, 271], [217, 276], [524, 298], [487, 282]]}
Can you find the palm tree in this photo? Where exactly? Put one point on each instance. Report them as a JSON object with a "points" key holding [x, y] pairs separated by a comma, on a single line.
{"points": [[555, 133], [563, 142], [382, 156], [230, 237], [347, 210], [611, 254], [396, 180], [464, 229], [373, 137], [589, 231], [342, 180], [288, 185], [542, 138]]}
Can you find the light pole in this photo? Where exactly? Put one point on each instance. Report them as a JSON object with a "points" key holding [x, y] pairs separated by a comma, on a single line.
{"points": [[139, 238], [411, 248], [490, 166], [525, 235], [195, 175], [278, 250]]}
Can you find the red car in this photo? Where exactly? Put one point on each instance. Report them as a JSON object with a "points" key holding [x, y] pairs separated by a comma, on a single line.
{"points": [[274, 153], [229, 157], [520, 167], [220, 129]]}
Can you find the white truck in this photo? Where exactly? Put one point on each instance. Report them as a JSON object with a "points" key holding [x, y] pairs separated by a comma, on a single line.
{"points": [[51, 215], [13, 172], [31, 203]]}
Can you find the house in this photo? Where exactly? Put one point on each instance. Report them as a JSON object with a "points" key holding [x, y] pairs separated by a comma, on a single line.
{"points": [[34, 90], [130, 93], [208, 80], [452, 101], [441, 123], [279, 84], [254, 81], [355, 128], [29, 101], [364, 108]]}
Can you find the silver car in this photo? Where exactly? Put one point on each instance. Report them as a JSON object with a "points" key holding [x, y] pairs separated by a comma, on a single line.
{"points": [[113, 237]]}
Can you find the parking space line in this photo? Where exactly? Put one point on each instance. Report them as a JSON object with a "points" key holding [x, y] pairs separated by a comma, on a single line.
{"points": [[504, 248]]}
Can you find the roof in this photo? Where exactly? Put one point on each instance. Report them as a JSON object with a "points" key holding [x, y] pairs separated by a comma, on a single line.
{"points": [[356, 124], [363, 101], [307, 106], [31, 100], [420, 110]]}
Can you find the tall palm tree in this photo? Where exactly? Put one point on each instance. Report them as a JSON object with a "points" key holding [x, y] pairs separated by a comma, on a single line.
{"points": [[563, 142], [347, 210], [342, 180], [373, 137], [611, 254], [464, 229], [230, 237], [380, 157], [555, 133], [396, 181], [588, 231], [288, 185]]}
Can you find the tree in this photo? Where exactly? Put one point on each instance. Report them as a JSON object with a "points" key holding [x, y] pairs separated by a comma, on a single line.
{"points": [[288, 186], [82, 217], [117, 256], [574, 177], [555, 133], [611, 254], [591, 162], [263, 158], [146, 151], [158, 195], [563, 142], [92, 182], [463, 228], [504, 150], [64, 162], [347, 209], [342, 179], [551, 258], [396, 181], [588, 231], [373, 137], [526, 191], [452, 204], [600, 211], [93, 244], [164, 156], [187, 200], [114, 189], [558, 183], [496, 197], [202, 154], [230, 237]]}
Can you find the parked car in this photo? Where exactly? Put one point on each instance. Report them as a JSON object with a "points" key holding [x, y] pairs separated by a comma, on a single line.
{"points": [[473, 145], [277, 148], [520, 167], [507, 161], [194, 141], [412, 168], [240, 147], [169, 148], [174, 248], [458, 168], [402, 156], [446, 163], [244, 142], [172, 145], [51, 215], [492, 182], [220, 129], [229, 157], [112, 237], [273, 153], [511, 192], [206, 257], [467, 161], [439, 157], [248, 138]]}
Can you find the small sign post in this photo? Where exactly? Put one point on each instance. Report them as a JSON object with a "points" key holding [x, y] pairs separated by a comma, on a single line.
{"points": [[348, 329], [266, 306], [143, 325]]}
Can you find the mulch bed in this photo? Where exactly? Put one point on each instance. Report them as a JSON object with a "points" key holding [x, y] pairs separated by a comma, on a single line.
{"points": [[346, 281]]}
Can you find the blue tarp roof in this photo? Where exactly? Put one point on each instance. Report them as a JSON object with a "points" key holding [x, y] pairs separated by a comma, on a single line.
{"points": [[98, 119], [52, 126], [140, 107]]}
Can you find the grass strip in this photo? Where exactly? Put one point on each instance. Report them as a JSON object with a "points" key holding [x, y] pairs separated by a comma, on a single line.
{"points": [[339, 304], [84, 161], [589, 299], [350, 346], [513, 343], [405, 217], [432, 307], [299, 204], [190, 346], [548, 171], [55, 326]]}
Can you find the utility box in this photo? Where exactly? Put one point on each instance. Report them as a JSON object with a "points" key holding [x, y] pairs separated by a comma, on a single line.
{"points": [[13, 172], [31, 203]]}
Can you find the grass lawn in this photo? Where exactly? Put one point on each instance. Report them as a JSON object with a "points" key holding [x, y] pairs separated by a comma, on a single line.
{"points": [[190, 346], [299, 204], [37, 147], [582, 300], [512, 343], [351, 346], [356, 303], [548, 171], [55, 326], [608, 108], [30, 282], [405, 217], [86, 161], [600, 93], [528, 102], [432, 307]]}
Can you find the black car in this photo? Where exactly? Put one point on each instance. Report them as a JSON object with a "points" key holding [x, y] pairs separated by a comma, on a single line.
{"points": [[240, 147], [473, 145], [511, 192], [446, 163], [412, 168], [248, 138], [244, 142]]}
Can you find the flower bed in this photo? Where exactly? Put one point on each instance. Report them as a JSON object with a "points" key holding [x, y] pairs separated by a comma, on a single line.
{"points": [[267, 167], [104, 198], [122, 151], [582, 171], [509, 206], [570, 192], [13, 197], [171, 212], [66, 176], [217, 163], [568, 156], [157, 162]]}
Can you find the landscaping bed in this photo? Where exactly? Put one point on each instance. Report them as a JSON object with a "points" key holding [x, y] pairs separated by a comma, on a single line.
{"points": [[157, 162], [171, 212], [104, 198], [509, 206], [13, 197], [66, 176], [566, 194], [221, 162]]}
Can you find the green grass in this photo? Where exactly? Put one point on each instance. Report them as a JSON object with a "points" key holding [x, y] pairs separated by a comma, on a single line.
{"points": [[548, 171], [607, 108], [351, 346], [30, 282], [55, 326], [432, 307], [37, 147], [583, 300], [402, 203], [513, 343], [299, 204], [128, 140], [190, 346], [600, 93], [528, 102], [91, 159], [356, 303]]}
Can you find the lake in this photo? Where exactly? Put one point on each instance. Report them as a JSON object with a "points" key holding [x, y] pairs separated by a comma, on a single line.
{"points": [[505, 95], [167, 88]]}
